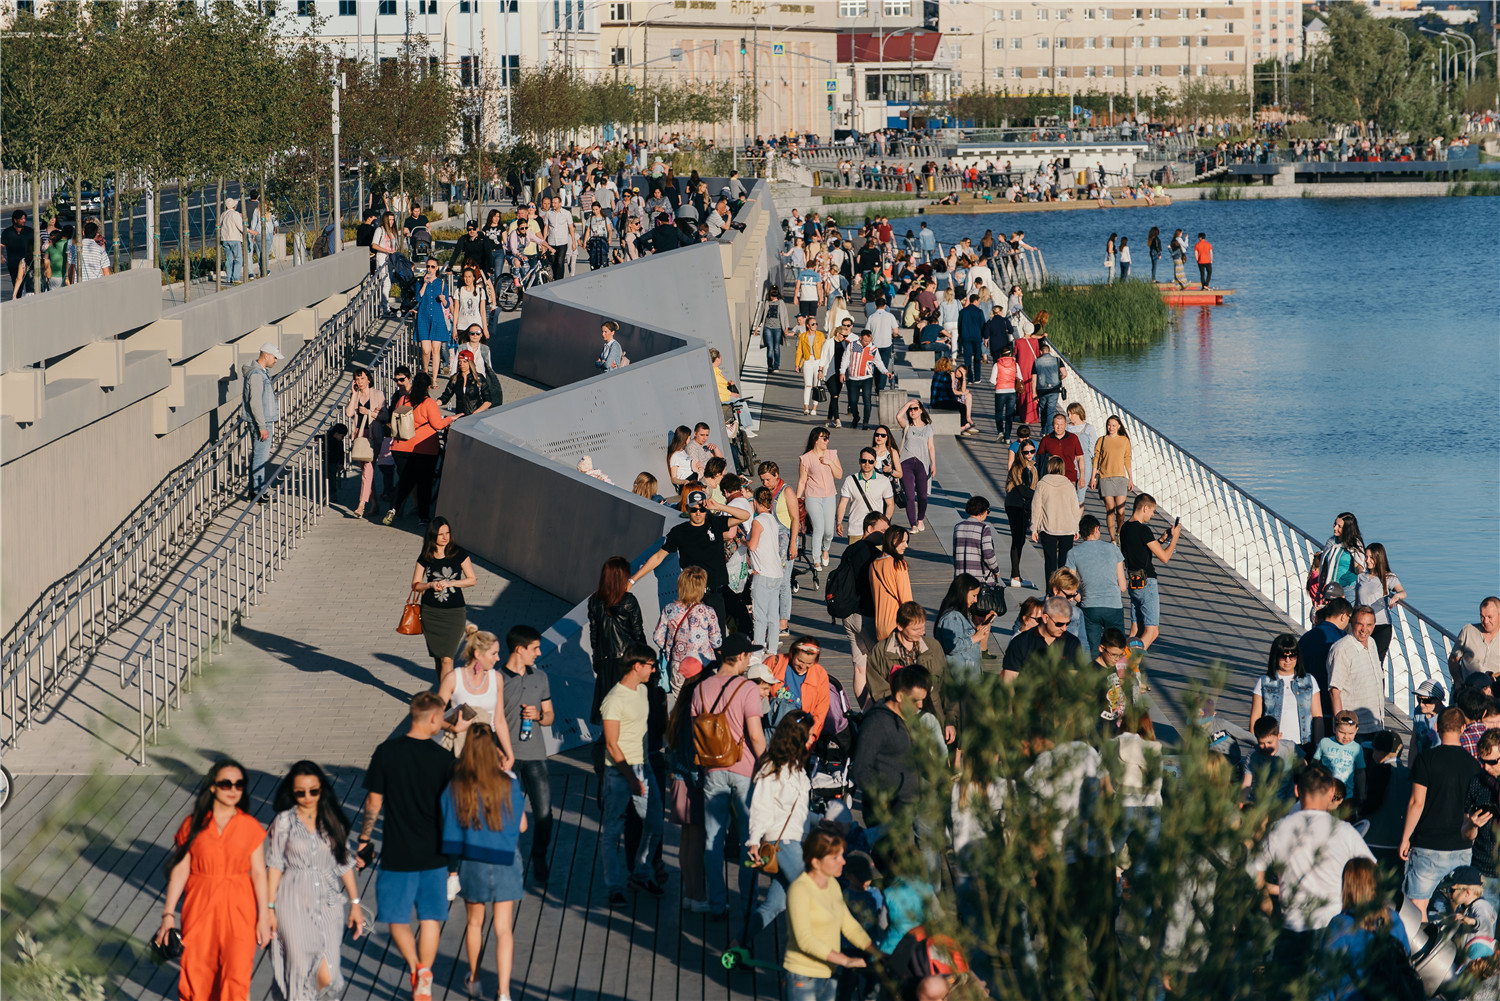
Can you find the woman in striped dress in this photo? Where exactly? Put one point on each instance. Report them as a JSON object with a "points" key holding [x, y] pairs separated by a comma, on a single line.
{"points": [[309, 863]]}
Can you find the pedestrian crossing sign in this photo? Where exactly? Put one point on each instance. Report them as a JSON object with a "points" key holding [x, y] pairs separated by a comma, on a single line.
{"points": [[778, 49], [832, 86]]}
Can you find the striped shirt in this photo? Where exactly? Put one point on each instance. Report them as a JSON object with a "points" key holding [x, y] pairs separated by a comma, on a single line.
{"points": [[974, 550], [94, 260]]}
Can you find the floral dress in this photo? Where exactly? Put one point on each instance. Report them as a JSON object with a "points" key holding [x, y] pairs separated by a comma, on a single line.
{"points": [[692, 631]]}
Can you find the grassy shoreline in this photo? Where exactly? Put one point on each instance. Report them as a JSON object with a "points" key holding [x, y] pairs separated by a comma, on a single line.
{"points": [[1099, 318]]}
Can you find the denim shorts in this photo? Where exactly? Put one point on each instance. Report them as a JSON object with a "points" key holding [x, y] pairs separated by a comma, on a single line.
{"points": [[396, 893], [1146, 604], [800, 988], [490, 882], [1426, 868]]}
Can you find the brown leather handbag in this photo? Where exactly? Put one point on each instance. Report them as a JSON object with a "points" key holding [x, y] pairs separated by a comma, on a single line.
{"points": [[411, 616]]}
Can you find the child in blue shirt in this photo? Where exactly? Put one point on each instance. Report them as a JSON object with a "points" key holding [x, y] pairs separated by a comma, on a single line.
{"points": [[1344, 756]]}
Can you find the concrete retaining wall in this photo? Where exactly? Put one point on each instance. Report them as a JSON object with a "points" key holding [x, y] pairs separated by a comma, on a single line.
{"points": [[1332, 189], [509, 482]]}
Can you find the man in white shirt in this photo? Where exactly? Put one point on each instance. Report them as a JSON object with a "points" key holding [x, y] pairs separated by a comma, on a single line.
{"points": [[863, 492], [561, 234], [1356, 681], [1478, 646], [1306, 852], [882, 325]]}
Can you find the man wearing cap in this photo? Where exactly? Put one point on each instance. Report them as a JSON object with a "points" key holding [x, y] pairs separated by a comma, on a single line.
{"points": [[732, 693], [700, 543], [1430, 695], [471, 247], [261, 411], [232, 238]]}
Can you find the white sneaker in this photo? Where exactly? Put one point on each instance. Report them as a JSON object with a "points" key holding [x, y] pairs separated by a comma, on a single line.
{"points": [[751, 434], [1015, 582]]}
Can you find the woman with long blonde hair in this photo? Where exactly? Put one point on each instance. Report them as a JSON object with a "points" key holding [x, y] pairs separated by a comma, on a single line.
{"points": [[483, 818]]}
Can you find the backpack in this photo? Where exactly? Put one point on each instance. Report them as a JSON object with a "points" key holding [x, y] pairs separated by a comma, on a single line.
{"points": [[403, 423], [713, 740], [842, 597]]}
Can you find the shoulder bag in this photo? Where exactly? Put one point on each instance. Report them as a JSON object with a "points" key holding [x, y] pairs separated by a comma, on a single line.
{"points": [[411, 616], [664, 656], [362, 450], [769, 864]]}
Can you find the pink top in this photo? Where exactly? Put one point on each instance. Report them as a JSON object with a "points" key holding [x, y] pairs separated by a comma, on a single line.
{"points": [[820, 477]]}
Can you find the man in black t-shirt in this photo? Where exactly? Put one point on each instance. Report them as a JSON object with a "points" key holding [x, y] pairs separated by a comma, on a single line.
{"points": [[1051, 630], [17, 242], [1138, 544], [365, 235], [700, 543], [406, 778], [1434, 840]]}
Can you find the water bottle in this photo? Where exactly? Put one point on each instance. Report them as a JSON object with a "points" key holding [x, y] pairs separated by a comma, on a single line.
{"points": [[525, 727]]}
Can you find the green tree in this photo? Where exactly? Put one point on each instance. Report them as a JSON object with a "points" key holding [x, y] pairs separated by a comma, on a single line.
{"points": [[1372, 71], [29, 122]]}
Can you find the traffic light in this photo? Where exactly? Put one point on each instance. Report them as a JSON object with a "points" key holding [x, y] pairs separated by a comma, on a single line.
{"points": [[742, 45], [830, 102]]}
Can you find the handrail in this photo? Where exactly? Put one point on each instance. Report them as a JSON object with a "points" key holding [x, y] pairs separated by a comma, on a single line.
{"points": [[1269, 554], [75, 615], [202, 608]]}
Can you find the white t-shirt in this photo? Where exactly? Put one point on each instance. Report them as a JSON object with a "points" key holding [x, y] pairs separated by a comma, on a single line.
{"points": [[558, 221], [1291, 716], [765, 555], [1309, 849], [1059, 777], [1136, 753], [680, 465], [878, 489]]}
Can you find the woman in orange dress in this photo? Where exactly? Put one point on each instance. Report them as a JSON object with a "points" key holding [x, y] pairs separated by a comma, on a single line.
{"points": [[218, 870]]}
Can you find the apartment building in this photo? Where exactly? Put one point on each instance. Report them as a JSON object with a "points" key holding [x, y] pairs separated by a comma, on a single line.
{"points": [[1059, 48]]}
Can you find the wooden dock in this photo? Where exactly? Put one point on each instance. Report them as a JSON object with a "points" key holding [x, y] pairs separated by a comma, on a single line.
{"points": [[316, 671]]}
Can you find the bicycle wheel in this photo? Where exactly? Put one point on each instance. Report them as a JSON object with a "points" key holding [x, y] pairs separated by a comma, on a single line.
{"points": [[544, 274], [6, 783], [509, 296]]}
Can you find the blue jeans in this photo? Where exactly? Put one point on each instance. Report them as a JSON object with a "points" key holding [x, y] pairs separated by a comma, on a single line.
{"points": [[1005, 413], [971, 355], [618, 797], [1096, 620], [858, 388], [821, 511], [260, 455], [788, 868], [721, 790], [1426, 868], [772, 338], [800, 988], [234, 260], [765, 608], [880, 380], [1047, 404]]}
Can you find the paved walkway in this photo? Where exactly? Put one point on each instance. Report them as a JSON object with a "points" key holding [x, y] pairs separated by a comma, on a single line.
{"points": [[317, 671]]}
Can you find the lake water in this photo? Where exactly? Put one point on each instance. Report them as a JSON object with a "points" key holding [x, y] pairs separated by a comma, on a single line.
{"points": [[1357, 368]]}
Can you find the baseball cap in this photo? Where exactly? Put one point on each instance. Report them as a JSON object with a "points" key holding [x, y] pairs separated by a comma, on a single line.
{"points": [[1465, 875], [1430, 689], [760, 672], [1346, 718], [270, 349], [736, 644], [696, 498]]}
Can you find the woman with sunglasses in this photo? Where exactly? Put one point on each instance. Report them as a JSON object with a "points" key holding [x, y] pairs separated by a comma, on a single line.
{"points": [[433, 327], [886, 463], [307, 860], [819, 473], [1288, 693], [918, 461], [1020, 490], [218, 870]]}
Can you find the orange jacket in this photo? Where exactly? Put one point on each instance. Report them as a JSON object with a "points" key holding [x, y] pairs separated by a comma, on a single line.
{"points": [[891, 586], [815, 691]]}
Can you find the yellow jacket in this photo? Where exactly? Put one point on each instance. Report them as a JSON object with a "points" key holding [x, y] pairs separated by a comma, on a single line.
{"points": [[809, 347]]}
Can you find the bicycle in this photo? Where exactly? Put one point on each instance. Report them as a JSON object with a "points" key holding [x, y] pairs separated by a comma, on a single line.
{"points": [[739, 440], [513, 286]]}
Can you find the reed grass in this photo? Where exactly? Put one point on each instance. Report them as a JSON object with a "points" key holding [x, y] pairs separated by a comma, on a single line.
{"points": [[1226, 193], [1100, 318], [1479, 188]]}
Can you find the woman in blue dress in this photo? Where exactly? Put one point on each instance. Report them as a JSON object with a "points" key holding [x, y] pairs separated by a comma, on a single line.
{"points": [[434, 329]]}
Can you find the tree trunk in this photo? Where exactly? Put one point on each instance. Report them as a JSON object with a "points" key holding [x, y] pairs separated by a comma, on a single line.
{"points": [[203, 225], [244, 234], [219, 241], [36, 230], [184, 239], [119, 179], [77, 217]]}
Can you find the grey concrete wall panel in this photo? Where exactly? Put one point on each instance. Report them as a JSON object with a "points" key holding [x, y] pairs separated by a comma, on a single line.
{"points": [[37, 327], [678, 293], [621, 420], [234, 312], [74, 403], [546, 522]]}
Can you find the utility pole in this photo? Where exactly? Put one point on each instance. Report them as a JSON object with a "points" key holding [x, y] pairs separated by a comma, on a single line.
{"points": [[335, 242], [755, 72]]}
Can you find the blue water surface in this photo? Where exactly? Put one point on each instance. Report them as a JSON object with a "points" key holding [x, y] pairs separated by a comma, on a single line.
{"points": [[1356, 368]]}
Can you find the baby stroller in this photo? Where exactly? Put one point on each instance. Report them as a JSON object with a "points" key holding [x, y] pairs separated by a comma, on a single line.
{"points": [[404, 277], [807, 561], [834, 750], [421, 245]]}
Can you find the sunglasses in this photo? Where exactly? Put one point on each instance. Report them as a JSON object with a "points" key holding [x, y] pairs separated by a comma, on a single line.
{"points": [[1057, 625], [228, 784], [867, 462], [307, 793], [1287, 655], [1028, 451], [1489, 761], [879, 436]]}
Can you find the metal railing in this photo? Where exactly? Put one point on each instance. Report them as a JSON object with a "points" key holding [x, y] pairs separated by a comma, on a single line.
{"points": [[1267, 552], [73, 617], [15, 188], [197, 618]]}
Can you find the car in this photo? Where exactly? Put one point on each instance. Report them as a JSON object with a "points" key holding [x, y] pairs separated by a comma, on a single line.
{"points": [[93, 199]]}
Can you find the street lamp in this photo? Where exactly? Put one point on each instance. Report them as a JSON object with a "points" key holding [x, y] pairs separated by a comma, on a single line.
{"points": [[1125, 67]]}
